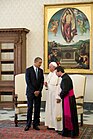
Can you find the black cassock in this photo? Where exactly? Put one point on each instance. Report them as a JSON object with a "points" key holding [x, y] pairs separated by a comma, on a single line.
{"points": [[70, 119]]}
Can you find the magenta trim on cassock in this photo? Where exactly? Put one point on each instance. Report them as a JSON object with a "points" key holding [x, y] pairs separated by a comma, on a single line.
{"points": [[67, 111]]}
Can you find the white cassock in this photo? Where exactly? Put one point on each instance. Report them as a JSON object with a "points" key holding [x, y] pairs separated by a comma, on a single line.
{"points": [[53, 110]]}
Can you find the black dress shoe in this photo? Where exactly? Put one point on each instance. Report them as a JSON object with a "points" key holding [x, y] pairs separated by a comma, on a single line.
{"points": [[36, 127], [26, 128]]}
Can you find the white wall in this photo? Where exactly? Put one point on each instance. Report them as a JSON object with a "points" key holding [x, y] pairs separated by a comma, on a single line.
{"points": [[30, 14]]}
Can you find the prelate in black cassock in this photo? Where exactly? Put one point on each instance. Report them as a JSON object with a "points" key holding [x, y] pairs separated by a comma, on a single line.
{"points": [[70, 119], [33, 85]]}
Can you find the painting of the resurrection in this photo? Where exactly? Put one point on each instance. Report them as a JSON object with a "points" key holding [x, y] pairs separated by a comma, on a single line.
{"points": [[69, 39]]}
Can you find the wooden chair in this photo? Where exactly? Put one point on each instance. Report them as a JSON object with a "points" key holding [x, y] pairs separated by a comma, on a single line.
{"points": [[79, 83], [20, 96]]}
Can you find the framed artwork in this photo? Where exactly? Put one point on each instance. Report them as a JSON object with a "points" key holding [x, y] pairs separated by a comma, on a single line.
{"points": [[68, 38]]}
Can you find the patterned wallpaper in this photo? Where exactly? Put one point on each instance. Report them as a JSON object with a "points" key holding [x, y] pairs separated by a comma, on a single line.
{"points": [[29, 14]]}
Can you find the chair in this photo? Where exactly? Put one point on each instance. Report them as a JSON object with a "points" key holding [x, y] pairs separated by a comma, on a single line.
{"points": [[79, 83], [20, 96]]}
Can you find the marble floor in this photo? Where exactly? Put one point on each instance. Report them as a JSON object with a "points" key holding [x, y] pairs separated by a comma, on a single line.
{"points": [[8, 114]]}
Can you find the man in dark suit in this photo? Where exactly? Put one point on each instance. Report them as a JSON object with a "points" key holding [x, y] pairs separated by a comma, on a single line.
{"points": [[34, 81]]}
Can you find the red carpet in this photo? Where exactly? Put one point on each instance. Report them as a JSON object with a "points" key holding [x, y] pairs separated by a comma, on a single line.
{"points": [[8, 131]]}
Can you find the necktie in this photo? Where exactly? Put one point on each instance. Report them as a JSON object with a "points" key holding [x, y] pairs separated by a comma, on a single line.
{"points": [[36, 73]]}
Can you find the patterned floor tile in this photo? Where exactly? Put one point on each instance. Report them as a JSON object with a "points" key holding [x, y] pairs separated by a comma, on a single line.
{"points": [[9, 115]]}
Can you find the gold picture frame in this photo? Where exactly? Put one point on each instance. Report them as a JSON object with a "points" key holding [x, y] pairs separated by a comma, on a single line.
{"points": [[68, 36]]}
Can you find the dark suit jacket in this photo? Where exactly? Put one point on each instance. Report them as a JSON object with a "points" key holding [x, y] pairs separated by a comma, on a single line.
{"points": [[32, 83]]}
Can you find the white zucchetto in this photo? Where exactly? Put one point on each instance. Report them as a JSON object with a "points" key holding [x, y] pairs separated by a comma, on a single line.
{"points": [[54, 64]]}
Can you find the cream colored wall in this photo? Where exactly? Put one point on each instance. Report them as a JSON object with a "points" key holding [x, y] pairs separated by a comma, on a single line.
{"points": [[30, 14]]}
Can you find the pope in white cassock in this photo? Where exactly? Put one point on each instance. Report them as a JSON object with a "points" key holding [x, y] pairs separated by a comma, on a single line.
{"points": [[53, 110]]}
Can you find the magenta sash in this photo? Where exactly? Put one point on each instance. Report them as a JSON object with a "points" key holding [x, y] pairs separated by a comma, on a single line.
{"points": [[67, 111]]}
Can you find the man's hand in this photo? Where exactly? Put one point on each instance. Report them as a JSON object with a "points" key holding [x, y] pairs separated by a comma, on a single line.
{"points": [[36, 93], [58, 100]]}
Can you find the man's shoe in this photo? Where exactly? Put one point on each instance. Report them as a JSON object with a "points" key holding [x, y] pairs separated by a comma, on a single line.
{"points": [[36, 127], [26, 128]]}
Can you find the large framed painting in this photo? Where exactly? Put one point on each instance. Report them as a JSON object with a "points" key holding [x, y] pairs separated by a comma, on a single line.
{"points": [[68, 38]]}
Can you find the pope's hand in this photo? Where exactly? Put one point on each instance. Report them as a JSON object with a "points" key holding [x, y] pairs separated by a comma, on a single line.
{"points": [[45, 83], [58, 100]]}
